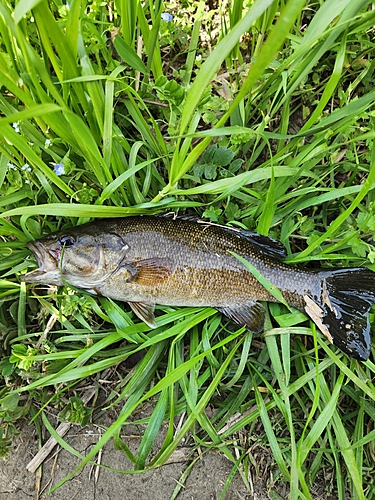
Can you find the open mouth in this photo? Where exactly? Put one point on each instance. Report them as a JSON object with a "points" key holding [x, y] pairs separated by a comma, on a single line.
{"points": [[47, 262]]}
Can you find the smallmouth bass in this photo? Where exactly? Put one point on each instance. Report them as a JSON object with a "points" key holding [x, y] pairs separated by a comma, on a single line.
{"points": [[185, 261]]}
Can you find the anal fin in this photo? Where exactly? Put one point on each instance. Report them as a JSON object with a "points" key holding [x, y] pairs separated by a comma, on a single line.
{"points": [[145, 312], [251, 315]]}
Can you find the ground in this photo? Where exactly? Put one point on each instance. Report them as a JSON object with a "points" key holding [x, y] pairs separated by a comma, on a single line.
{"points": [[205, 482]]}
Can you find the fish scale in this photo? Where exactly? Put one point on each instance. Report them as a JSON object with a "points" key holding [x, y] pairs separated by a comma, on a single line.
{"points": [[185, 261], [200, 254]]}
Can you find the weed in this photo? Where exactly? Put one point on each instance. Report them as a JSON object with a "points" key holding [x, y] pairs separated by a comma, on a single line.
{"points": [[260, 116]]}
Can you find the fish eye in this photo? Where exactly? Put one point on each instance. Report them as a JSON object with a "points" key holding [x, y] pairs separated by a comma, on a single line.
{"points": [[67, 241]]}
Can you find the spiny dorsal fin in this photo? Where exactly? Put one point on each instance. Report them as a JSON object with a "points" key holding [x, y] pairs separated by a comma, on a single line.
{"points": [[266, 245]]}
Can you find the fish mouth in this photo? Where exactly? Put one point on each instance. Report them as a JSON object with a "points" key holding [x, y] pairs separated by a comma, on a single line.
{"points": [[48, 263]]}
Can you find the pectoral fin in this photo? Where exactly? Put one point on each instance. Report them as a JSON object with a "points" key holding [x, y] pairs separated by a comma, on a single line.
{"points": [[251, 315], [145, 312], [149, 272]]}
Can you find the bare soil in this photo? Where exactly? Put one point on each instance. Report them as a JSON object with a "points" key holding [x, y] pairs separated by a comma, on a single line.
{"points": [[206, 480]]}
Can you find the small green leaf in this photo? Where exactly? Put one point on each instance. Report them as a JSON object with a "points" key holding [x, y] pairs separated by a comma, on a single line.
{"points": [[223, 156], [75, 411], [208, 155], [210, 171], [10, 402]]}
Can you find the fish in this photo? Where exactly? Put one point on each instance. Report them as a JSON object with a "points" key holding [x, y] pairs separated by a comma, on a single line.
{"points": [[187, 261]]}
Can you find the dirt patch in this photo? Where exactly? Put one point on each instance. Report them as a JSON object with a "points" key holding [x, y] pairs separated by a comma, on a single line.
{"points": [[206, 479]]}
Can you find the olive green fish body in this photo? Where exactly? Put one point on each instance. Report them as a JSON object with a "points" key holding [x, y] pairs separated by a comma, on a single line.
{"points": [[181, 261], [187, 263]]}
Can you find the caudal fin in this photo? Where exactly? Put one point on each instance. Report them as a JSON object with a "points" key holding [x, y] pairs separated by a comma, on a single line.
{"points": [[342, 310]]}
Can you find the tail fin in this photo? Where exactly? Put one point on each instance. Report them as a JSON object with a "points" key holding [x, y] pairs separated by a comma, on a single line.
{"points": [[342, 310]]}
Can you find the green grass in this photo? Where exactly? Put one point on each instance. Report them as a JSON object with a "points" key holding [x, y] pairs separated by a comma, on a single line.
{"points": [[269, 126]]}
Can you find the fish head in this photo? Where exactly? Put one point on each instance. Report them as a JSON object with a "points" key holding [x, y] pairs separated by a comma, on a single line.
{"points": [[84, 258]]}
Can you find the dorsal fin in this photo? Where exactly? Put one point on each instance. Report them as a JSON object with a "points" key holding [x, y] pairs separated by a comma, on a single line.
{"points": [[176, 216], [265, 245]]}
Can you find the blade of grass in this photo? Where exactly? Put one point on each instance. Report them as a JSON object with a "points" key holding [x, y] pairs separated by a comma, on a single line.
{"points": [[368, 184], [162, 384]]}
